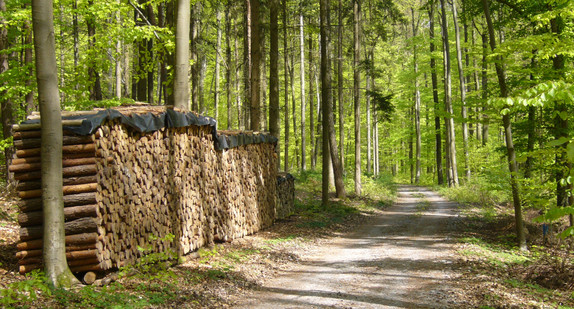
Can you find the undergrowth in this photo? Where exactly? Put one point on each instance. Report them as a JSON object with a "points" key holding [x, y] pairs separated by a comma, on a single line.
{"points": [[539, 277]]}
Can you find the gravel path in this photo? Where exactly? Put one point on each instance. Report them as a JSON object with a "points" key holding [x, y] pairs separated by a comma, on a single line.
{"points": [[401, 259]]}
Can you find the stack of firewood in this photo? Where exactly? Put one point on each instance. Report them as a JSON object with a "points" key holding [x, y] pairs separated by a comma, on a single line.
{"points": [[122, 186], [285, 195], [79, 189]]}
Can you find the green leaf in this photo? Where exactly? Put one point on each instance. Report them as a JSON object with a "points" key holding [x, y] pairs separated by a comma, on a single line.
{"points": [[569, 232], [558, 142]]}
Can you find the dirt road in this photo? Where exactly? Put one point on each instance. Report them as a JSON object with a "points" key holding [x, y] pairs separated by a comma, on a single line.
{"points": [[401, 259]]}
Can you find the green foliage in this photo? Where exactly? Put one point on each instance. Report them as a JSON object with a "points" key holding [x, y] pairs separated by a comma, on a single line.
{"points": [[22, 293], [153, 265]]}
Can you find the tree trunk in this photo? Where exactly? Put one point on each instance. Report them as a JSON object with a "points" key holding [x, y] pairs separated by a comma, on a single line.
{"points": [[285, 89], [329, 141], [6, 104], [94, 75], [274, 73], [340, 84], [229, 67], [356, 87], [484, 78], [417, 105], [181, 84], [217, 65], [196, 66], [462, 91], [437, 111], [247, 63], [118, 65], [255, 67], [54, 250], [311, 105], [511, 155], [303, 103], [451, 139], [28, 62]]}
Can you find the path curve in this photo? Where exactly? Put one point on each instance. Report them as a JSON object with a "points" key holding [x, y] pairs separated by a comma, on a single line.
{"points": [[401, 259]]}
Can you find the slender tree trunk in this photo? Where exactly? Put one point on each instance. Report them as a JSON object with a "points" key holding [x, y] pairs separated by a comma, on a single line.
{"points": [[217, 64], [340, 84], [311, 105], [247, 63], [274, 73], [451, 139], [181, 84], [285, 89], [170, 12], [462, 91], [561, 123], [329, 141], [54, 250], [96, 89], [437, 111], [369, 123], [484, 77], [356, 87], [6, 103], [150, 71], [28, 62], [303, 103], [417, 104], [294, 108], [255, 68], [531, 129], [118, 64], [196, 66], [512, 166], [229, 67]]}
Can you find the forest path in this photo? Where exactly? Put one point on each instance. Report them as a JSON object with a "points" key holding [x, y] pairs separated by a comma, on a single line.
{"points": [[401, 259]]}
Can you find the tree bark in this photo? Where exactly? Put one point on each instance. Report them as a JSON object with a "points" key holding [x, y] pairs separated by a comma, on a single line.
{"points": [[511, 155], [181, 83], [274, 74], [217, 64], [6, 104], [229, 67], [303, 103], [247, 63], [484, 85], [451, 138], [417, 115], [462, 91], [285, 89], [94, 75], [356, 95], [434, 79], [340, 84], [54, 249], [311, 105], [329, 141]]}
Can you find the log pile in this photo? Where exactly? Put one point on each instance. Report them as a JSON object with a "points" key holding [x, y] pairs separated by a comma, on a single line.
{"points": [[122, 186], [285, 195]]}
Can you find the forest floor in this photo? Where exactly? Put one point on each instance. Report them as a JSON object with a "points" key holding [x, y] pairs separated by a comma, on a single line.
{"points": [[405, 248]]}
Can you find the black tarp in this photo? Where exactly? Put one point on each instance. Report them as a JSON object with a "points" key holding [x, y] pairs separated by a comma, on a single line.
{"points": [[150, 122]]}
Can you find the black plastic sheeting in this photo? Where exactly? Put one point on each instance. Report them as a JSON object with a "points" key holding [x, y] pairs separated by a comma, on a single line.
{"points": [[149, 122]]}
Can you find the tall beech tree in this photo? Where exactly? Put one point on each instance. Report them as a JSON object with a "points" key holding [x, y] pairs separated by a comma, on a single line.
{"points": [[506, 122], [54, 245], [181, 84]]}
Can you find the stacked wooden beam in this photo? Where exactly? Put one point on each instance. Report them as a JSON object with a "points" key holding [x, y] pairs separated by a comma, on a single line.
{"points": [[122, 186], [79, 188]]}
